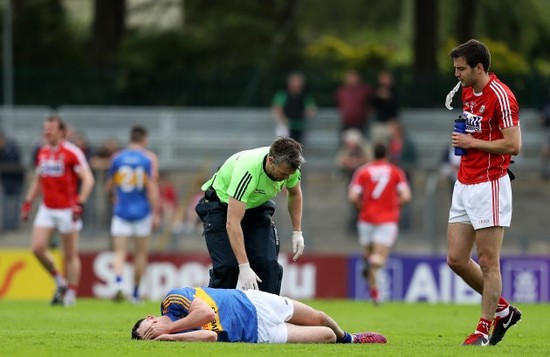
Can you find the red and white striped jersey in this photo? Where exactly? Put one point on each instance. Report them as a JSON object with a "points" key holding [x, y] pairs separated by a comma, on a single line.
{"points": [[57, 167], [486, 114]]}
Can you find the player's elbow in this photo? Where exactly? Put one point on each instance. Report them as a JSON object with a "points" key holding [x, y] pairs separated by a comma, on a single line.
{"points": [[232, 226], [211, 316], [515, 148], [207, 314], [211, 336]]}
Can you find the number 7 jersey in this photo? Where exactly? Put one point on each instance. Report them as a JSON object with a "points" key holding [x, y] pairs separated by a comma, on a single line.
{"points": [[130, 171], [379, 183]]}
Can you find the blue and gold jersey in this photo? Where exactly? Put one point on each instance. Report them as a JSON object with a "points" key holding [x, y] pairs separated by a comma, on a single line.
{"points": [[130, 171], [236, 317]]}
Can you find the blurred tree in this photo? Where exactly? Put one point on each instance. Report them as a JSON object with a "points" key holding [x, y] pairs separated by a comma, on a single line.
{"points": [[41, 35], [248, 47], [426, 38], [107, 31], [466, 20]]}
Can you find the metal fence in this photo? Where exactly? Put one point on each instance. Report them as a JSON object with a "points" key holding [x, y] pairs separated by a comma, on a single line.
{"points": [[193, 141]]}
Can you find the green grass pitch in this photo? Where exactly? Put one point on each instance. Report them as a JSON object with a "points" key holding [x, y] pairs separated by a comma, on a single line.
{"points": [[102, 328]]}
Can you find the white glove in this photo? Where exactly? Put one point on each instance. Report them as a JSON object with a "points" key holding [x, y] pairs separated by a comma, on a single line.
{"points": [[247, 278], [297, 244]]}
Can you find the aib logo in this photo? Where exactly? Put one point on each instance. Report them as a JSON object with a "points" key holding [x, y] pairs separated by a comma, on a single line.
{"points": [[526, 280], [473, 122], [52, 167]]}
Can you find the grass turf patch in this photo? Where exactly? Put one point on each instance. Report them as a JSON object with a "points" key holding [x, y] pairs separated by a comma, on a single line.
{"points": [[102, 328]]}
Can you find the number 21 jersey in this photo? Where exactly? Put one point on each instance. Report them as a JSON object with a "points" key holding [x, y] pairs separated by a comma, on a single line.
{"points": [[130, 171]]}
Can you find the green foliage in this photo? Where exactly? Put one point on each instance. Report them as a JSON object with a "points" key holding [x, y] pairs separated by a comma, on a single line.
{"points": [[241, 43], [42, 34], [503, 59], [335, 53], [102, 328], [149, 58], [542, 66]]}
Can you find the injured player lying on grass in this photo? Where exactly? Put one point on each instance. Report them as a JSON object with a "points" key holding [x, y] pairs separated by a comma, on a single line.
{"points": [[231, 315]]}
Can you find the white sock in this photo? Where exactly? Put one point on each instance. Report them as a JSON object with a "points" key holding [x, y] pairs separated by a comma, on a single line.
{"points": [[60, 280], [504, 312]]}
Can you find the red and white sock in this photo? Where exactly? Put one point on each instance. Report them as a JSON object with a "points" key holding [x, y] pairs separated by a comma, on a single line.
{"points": [[483, 327], [503, 308]]}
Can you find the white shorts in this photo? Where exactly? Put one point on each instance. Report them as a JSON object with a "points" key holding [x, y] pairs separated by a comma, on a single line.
{"points": [[486, 204], [60, 219], [273, 311], [385, 233], [140, 228]]}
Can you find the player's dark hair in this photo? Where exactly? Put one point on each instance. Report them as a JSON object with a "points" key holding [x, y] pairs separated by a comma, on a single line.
{"points": [[137, 134], [380, 151], [135, 334], [287, 150], [54, 118], [474, 52]]}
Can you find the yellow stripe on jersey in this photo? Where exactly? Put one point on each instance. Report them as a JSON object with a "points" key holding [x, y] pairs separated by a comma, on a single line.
{"points": [[215, 324], [177, 300]]}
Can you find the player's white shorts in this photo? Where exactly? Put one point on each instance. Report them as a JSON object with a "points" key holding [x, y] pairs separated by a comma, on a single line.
{"points": [[60, 219], [384, 234], [486, 204], [273, 311], [140, 228]]}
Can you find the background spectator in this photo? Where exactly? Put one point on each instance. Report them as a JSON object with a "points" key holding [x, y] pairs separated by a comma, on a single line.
{"points": [[101, 158], [354, 152], [402, 152], [12, 178], [385, 105], [353, 99], [292, 107], [449, 166]]}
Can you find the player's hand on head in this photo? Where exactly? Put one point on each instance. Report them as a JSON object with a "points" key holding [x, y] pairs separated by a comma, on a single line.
{"points": [[247, 277], [297, 244], [154, 331]]}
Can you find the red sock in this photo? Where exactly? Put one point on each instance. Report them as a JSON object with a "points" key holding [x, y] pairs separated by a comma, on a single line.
{"points": [[483, 326], [374, 293], [502, 304], [72, 287]]}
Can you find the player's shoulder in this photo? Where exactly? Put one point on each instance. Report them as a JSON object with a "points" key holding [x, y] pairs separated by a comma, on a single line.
{"points": [[251, 158], [71, 148], [499, 88], [118, 155], [150, 154]]}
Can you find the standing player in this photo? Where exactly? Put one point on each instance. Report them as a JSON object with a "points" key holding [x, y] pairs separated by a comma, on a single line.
{"points": [[379, 189], [482, 196], [133, 178], [59, 167]]}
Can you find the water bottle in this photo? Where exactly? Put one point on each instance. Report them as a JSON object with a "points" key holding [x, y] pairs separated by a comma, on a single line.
{"points": [[460, 127]]}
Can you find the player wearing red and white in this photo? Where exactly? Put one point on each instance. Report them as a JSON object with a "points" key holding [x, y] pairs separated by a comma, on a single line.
{"points": [[482, 197], [60, 167], [379, 189]]}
